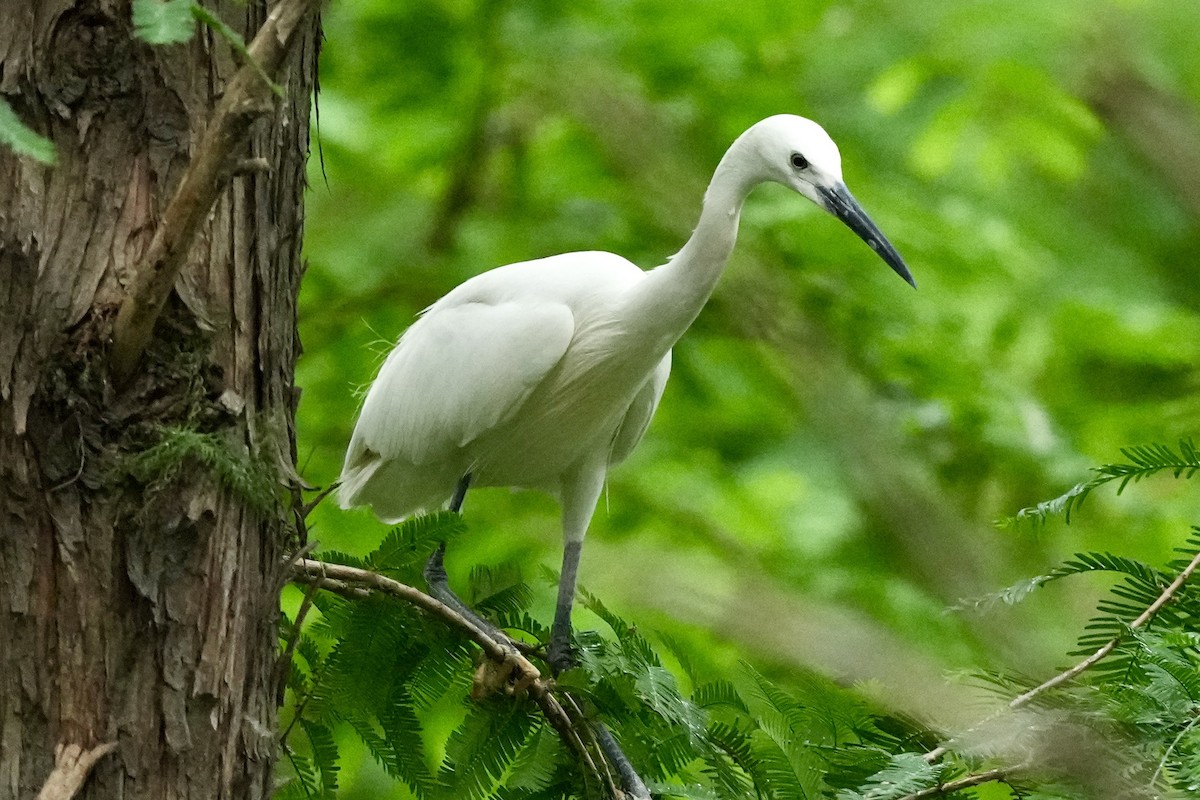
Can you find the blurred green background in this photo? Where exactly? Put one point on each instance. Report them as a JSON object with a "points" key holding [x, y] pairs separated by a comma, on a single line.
{"points": [[820, 484]]}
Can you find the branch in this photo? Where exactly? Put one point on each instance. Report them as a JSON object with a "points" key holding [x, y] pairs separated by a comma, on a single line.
{"points": [[72, 764], [1111, 644], [247, 97], [1167, 595], [965, 782], [306, 570], [358, 583]]}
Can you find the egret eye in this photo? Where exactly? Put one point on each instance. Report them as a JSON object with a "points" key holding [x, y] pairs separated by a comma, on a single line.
{"points": [[799, 161]]}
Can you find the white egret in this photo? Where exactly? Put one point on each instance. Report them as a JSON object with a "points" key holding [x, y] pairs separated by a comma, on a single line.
{"points": [[544, 374]]}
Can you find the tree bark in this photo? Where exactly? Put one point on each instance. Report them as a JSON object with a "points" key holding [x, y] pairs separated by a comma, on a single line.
{"points": [[141, 529]]}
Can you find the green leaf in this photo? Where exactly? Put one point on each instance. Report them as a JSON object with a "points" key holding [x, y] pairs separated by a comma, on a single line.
{"points": [[164, 21], [23, 139], [905, 774], [407, 546]]}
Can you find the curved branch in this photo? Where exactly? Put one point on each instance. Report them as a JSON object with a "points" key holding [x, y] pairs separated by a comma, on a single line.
{"points": [[1111, 644], [1105, 650], [247, 97], [515, 670]]}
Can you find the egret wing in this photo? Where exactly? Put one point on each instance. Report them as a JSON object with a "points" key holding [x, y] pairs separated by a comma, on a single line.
{"points": [[457, 373], [641, 411]]}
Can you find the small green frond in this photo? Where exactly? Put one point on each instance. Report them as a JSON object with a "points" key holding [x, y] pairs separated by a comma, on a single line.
{"points": [[593, 604], [1107, 562], [1064, 504], [1009, 596], [406, 749], [680, 653], [905, 774], [1143, 461], [732, 759], [535, 766], [324, 754], [161, 22], [656, 687], [498, 592], [776, 771], [304, 782], [408, 545], [692, 792], [23, 140], [719, 693], [345, 559], [482, 749], [439, 672]]}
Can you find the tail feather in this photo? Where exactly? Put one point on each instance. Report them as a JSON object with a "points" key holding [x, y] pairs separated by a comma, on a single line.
{"points": [[394, 489]]}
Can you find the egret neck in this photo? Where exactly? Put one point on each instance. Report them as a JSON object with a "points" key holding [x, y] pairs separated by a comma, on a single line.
{"points": [[671, 296]]}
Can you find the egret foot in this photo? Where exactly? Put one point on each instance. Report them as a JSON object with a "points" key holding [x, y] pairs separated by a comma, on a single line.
{"points": [[560, 654], [512, 676]]}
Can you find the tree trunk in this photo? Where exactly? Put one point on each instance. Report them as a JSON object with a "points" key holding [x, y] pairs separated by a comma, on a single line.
{"points": [[141, 529]]}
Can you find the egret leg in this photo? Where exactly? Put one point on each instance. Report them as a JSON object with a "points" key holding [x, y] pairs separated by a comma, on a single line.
{"points": [[460, 493], [559, 654], [439, 582], [580, 490], [630, 780]]}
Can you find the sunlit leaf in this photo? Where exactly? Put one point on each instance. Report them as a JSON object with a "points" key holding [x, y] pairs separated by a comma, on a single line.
{"points": [[164, 21], [23, 139]]}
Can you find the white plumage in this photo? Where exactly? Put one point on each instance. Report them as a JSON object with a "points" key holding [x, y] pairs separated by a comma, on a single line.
{"points": [[543, 374]]}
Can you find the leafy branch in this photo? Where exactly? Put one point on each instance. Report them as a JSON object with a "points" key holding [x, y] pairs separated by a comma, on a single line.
{"points": [[1167, 595], [1143, 461], [510, 669], [375, 665]]}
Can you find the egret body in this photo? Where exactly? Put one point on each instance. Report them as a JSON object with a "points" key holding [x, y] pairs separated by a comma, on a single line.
{"points": [[544, 374]]}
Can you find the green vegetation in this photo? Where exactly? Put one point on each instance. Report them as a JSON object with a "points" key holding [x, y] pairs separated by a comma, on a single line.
{"points": [[776, 561]]}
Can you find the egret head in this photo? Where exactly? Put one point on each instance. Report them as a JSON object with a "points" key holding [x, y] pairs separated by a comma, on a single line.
{"points": [[799, 154]]}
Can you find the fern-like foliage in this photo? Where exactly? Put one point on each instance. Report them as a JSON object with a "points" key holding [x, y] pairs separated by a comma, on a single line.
{"points": [[1142, 462], [374, 667], [377, 669], [251, 481], [904, 774]]}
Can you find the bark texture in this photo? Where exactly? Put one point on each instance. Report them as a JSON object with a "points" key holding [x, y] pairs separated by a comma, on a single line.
{"points": [[141, 529]]}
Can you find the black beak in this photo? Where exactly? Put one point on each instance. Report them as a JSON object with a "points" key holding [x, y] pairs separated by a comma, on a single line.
{"points": [[840, 203]]}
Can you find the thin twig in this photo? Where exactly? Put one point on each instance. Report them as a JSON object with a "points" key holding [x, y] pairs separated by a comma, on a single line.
{"points": [[289, 652], [1171, 748], [606, 776], [965, 782], [936, 753], [344, 588], [1111, 644], [246, 98]]}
